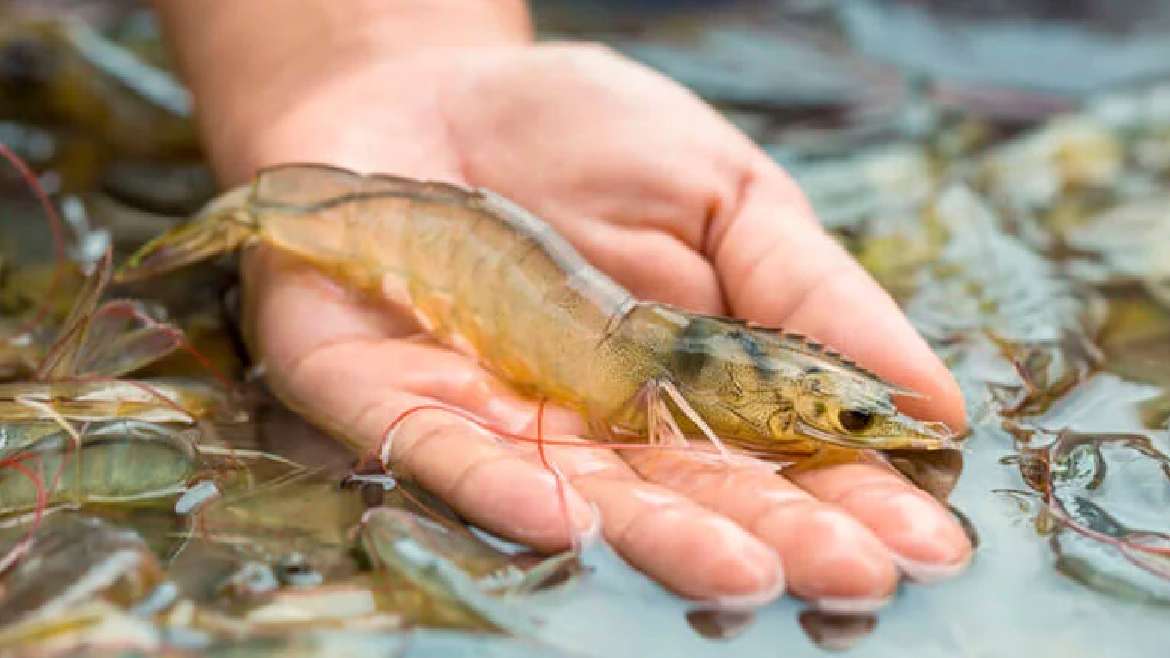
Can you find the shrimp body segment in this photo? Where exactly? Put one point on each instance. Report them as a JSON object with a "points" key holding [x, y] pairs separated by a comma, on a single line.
{"points": [[492, 280]]}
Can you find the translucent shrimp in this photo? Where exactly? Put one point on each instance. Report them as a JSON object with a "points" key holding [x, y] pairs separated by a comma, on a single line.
{"points": [[79, 377], [497, 283]]}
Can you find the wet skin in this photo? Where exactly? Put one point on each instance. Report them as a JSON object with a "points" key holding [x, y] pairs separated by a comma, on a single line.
{"points": [[653, 187]]}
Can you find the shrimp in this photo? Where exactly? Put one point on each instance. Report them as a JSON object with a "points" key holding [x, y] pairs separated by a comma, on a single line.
{"points": [[80, 374], [429, 570], [492, 280], [110, 461]]}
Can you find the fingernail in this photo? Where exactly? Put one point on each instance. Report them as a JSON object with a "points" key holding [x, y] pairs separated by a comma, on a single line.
{"points": [[928, 572], [850, 605], [751, 600]]}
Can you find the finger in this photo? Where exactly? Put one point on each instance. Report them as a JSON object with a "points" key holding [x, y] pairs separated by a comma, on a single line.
{"points": [[487, 480], [688, 548], [828, 556], [781, 268], [925, 539], [360, 388]]}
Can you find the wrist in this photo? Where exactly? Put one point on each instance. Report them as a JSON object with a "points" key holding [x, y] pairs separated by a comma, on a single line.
{"points": [[245, 62]]}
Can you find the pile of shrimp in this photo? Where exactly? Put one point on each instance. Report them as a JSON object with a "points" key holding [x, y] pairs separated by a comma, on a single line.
{"points": [[95, 345]]}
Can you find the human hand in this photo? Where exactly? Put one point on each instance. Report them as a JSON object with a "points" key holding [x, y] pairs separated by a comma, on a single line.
{"points": [[654, 188]]}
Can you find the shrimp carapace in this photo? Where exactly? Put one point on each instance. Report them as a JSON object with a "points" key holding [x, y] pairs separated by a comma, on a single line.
{"points": [[494, 281]]}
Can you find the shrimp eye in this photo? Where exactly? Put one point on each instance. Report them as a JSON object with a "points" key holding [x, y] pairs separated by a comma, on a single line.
{"points": [[855, 421]]}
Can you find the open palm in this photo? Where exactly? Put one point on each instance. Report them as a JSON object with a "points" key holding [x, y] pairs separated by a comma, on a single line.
{"points": [[654, 188]]}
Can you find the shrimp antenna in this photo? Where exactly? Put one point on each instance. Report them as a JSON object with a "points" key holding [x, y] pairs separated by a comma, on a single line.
{"points": [[381, 451], [21, 548]]}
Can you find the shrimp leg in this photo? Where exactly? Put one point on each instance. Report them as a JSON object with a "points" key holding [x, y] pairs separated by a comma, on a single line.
{"points": [[672, 392], [661, 427]]}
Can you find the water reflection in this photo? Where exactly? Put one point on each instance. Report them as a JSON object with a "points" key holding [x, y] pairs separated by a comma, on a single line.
{"points": [[720, 624], [834, 631]]}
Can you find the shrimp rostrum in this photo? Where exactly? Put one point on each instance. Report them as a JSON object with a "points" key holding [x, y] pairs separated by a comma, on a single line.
{"points": [[490, 279]]}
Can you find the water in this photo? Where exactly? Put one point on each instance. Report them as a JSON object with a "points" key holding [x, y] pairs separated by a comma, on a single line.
{"points": [[256, 534]]}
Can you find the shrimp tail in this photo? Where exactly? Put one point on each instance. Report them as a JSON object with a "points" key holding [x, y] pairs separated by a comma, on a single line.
{"points": [[222, 227]]}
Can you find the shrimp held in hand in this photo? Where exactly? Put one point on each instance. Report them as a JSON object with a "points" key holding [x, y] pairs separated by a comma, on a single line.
{"points": [[490, 279]]}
